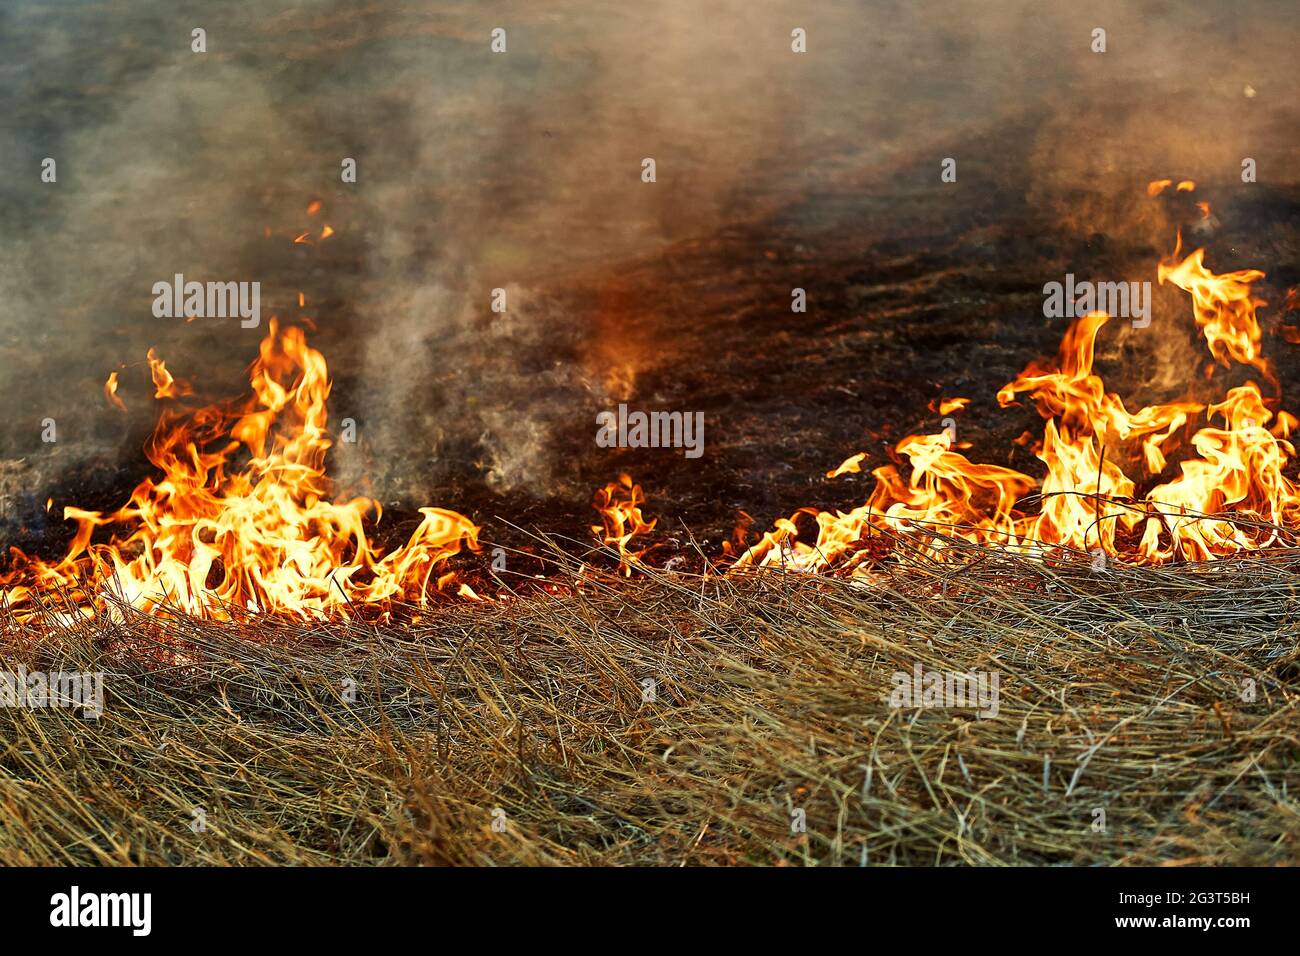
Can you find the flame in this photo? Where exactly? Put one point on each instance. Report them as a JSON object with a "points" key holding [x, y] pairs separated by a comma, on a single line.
{"points": [[619, 504], [851, 465], [1222, 305], [239, 515], [1108, 481], [1240, 471], [946, 406], [110, 392], [165, 386]]}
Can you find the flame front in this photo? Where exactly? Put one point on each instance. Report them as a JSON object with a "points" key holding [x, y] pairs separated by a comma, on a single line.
{"points": [[1227, 495], [241, 515], [241, 518]]}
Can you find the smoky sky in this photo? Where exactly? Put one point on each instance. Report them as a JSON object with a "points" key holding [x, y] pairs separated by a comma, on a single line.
{"points": [[520, 171]]}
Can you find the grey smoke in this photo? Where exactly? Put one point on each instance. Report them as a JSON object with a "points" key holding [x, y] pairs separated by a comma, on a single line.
{"points": [[521, 171]]}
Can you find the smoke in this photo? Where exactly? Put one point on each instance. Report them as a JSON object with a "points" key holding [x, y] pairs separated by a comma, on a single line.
{"points": [[522, 171]]}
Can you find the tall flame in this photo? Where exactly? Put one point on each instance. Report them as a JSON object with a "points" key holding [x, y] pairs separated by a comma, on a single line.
{"points": [[240, 516], [1223, 307]]}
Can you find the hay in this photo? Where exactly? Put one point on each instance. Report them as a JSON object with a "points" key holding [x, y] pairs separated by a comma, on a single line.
{"points": [[1120, 690]]}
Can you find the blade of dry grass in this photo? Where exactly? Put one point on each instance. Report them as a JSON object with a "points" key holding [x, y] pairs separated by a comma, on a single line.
{"points": [[1121, 691]]}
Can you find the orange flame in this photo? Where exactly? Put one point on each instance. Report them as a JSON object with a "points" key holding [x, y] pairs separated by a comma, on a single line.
{"points": [[110, 392], [946, 406], [1229, 493], [239, 516], [165, 386], [619, 504], [849, 466], [1222, 306]]}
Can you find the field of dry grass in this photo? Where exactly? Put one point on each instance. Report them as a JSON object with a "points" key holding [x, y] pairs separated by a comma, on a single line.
{"points": [[526, 732]]}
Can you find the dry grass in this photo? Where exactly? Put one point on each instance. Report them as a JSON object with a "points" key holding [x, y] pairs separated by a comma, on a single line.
{"points": [[1120, 690]]}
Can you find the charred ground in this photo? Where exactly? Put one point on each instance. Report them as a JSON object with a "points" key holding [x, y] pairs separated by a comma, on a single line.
{"points": [[914, 294]]}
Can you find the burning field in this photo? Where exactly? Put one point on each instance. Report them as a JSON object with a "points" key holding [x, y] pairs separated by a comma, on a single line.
{"points": [[566, 455]]}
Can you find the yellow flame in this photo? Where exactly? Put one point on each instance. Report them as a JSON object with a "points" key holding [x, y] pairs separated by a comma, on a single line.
{"points": [[110, 392], [619, 504], [209, 534], [1229, 493]]}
